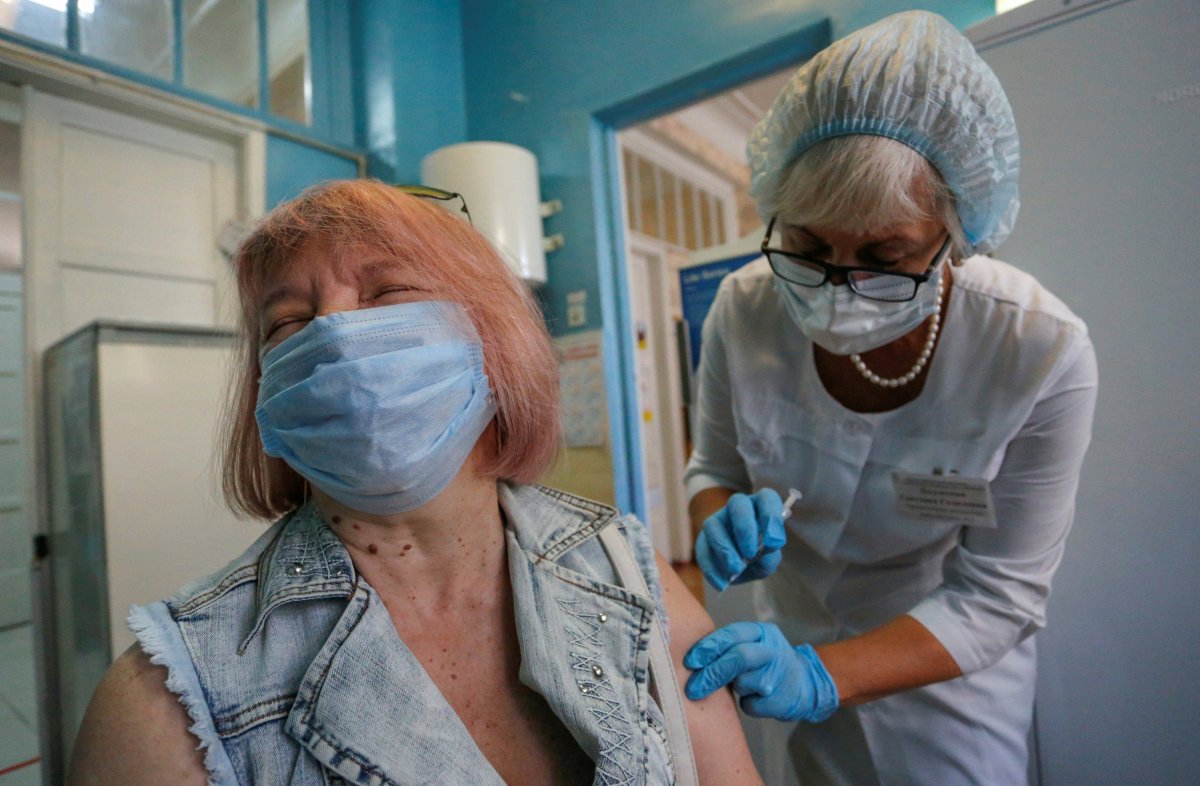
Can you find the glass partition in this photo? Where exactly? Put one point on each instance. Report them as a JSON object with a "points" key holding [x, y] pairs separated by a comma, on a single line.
{"points": [[43, 20], [289, 68], [136, 34], [10, 194], [220, 49]]}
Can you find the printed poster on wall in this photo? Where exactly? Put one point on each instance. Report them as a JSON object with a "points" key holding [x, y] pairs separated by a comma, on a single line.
{"points": [[698, 287]]}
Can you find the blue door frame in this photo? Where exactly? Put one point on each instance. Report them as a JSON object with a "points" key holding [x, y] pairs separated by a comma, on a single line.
{"points": [[619, 381]]}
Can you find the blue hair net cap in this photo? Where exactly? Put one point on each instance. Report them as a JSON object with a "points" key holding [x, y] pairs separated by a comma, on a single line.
{"points": [[911, 77]]}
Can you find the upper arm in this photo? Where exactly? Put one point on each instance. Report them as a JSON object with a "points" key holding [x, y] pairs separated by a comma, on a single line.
{"points": [[1034, 490], [135, 731], [717, 740]]}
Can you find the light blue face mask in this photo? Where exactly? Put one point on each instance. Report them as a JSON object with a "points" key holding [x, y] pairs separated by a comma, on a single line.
{"points": [[379, 407], [844, 323]]}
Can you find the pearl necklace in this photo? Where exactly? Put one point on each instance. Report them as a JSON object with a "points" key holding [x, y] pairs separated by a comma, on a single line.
{"points": [[926, 351]]}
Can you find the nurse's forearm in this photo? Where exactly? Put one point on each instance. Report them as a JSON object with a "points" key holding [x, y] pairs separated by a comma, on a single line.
{"points": [[896, 656], [705, 503]]}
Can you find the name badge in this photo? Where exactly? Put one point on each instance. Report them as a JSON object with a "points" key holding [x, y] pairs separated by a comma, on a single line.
{"points": [[937, 497]]}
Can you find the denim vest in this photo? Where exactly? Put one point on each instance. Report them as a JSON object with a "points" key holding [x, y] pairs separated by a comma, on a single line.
{"points": [[293, 673]]}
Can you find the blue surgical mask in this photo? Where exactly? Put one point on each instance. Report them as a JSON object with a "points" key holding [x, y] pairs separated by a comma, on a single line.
{"points": [[380, 407], [844, 323]]}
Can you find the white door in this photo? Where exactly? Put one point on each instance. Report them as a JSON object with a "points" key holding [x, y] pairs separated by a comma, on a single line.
{"points": [[123, 219]]}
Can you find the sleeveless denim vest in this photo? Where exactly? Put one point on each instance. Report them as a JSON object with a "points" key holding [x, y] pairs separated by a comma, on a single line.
{"points": [[293, 673]]}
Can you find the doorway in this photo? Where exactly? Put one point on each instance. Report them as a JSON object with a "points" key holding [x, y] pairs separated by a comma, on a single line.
{"points": [[684, 190]]}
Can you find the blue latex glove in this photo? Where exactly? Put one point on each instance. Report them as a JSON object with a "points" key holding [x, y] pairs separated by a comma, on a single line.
{"points": [[741, 541], [773, 678]]}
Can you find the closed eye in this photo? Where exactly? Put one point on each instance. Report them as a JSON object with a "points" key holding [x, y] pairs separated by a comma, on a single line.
{"points": [[816, 252], [806, 248], [395, 293], [869, 260], [284, 327]]}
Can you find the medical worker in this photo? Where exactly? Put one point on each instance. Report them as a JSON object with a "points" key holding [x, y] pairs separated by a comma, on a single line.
{"points": [[931, 404]]}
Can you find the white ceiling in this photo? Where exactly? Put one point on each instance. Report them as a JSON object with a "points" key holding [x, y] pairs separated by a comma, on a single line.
{"points": [[727, 119]]}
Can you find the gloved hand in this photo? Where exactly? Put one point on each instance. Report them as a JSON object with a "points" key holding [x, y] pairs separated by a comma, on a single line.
{"points": [[741, 541], [773, 678]]}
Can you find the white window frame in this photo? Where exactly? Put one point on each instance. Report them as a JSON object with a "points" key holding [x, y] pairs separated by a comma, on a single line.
{"points": [[683, 167]]}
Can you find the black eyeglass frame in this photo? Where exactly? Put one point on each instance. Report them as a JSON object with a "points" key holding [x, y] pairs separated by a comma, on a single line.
{"points": [[429, 192], [831, 270]]}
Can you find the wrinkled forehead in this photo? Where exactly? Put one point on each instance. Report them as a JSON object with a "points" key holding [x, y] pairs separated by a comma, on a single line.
{"points": [[422, 241], [341, 256], [360, 260]]}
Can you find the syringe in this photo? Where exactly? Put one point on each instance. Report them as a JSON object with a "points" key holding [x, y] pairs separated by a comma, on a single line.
{"points": [[794, 496]]}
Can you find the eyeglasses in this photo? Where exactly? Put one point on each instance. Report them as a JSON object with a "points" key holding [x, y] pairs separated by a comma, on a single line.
{"points": [[869, 282], [429, 192]]}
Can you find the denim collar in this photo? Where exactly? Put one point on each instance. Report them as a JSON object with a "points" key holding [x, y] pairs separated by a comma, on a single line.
{"points": [[548, 522], [306, 562]]}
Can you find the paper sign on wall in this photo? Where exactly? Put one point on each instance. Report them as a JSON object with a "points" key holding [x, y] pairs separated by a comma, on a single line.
{"points": [[581, 384]]}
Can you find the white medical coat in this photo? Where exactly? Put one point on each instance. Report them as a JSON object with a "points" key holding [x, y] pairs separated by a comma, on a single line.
{"points": [[1008, 398]]}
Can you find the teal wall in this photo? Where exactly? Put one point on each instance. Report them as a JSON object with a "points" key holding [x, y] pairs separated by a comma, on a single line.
{"points": [[333, 99], [408, 58], [292, 167], [389, 87]]}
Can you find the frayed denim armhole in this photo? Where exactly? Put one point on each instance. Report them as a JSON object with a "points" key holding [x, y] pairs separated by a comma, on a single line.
{"points": [[159, 637]]}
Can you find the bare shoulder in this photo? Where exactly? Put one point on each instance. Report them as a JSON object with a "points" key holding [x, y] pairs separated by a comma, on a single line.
{"points": [[135, 731], [717, 740]]}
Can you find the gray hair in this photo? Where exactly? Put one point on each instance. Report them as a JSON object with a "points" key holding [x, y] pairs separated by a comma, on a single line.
{"points": [[863, 183]]}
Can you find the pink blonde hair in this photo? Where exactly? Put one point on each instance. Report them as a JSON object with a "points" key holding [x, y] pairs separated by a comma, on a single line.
{"points": [[458, 264]]}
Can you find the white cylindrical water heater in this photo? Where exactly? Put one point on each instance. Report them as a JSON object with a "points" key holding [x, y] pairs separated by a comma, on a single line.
{"points": [[499, 182]]}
